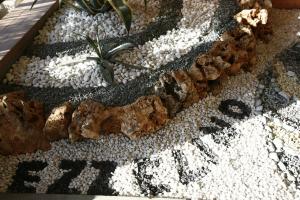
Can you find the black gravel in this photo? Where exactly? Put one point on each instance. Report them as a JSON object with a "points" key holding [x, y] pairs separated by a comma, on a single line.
{"points": [[292, 163], [291, 59], [271, 99], [121, 94]]}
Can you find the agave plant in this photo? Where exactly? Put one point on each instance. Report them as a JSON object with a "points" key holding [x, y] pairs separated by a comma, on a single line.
{"points": [[106, 57]]}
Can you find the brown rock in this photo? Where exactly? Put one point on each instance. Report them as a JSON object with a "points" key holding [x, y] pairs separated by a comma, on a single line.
{"points": [[57, 124], [86, 121], [143, 117], [177, 91], [232, 54], [257, 16], [92, 119], [21, 125], [189, 91]]}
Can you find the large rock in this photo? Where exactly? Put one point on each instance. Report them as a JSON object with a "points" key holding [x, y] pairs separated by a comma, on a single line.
{"points": [[92, 119], [143, 117], [57, 123], [21, 125]]}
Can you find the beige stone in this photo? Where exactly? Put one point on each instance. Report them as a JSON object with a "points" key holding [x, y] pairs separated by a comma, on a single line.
{"points": [[56, 126]]}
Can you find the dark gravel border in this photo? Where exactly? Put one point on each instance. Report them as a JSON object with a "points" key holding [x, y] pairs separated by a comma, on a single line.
{"points": [[291, 59], [124, 94]]}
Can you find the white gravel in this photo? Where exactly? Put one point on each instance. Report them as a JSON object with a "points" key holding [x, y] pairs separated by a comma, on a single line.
{"points": [[69, 24]]}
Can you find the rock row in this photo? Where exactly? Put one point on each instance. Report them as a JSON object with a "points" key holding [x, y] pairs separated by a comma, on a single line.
{"points": [[23, 128]]}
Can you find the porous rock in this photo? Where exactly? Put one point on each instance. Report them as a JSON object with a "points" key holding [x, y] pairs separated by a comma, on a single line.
{"points": [[21, 125], [92, 119], [86, 120], [238, 48], [252, 17], [56, 126], [143, 117], [256, 15], [177, 91]]}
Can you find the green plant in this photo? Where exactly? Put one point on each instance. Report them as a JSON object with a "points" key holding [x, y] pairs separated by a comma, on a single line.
{"points": [[106, 57]]}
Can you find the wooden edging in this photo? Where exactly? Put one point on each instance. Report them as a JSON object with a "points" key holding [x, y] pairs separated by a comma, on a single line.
{"points": [[18, 28]]}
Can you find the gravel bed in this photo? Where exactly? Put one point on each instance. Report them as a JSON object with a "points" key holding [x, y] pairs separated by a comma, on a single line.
{"points": [[242, 143], [113, 95]]}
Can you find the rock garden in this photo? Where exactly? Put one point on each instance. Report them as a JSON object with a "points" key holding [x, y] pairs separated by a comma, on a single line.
{"points": [[156, 98]]}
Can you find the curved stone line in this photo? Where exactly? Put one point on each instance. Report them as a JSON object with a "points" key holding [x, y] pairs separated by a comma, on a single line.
{"points": [[125, 94], [170, 14]]}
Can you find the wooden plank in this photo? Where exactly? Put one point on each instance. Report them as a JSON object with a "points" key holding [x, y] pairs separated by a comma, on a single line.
{"points": [[18, 29]]}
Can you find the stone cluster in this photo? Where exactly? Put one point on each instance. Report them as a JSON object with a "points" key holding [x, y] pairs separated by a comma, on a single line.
{"points": [[180, 89]]}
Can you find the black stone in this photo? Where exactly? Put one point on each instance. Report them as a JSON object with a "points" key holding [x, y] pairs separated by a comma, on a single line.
{"points": [[144, 180], [205, 150], [22, 175], [61, 186], [101, 185], [225, 108], [186, 175]]}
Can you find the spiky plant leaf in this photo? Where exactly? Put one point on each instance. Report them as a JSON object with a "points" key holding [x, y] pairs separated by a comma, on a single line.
{"points": [[33, 3], [107, 72], [123, 10], [119, 49], [100, 46], [93, 58], [94, 45]]}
